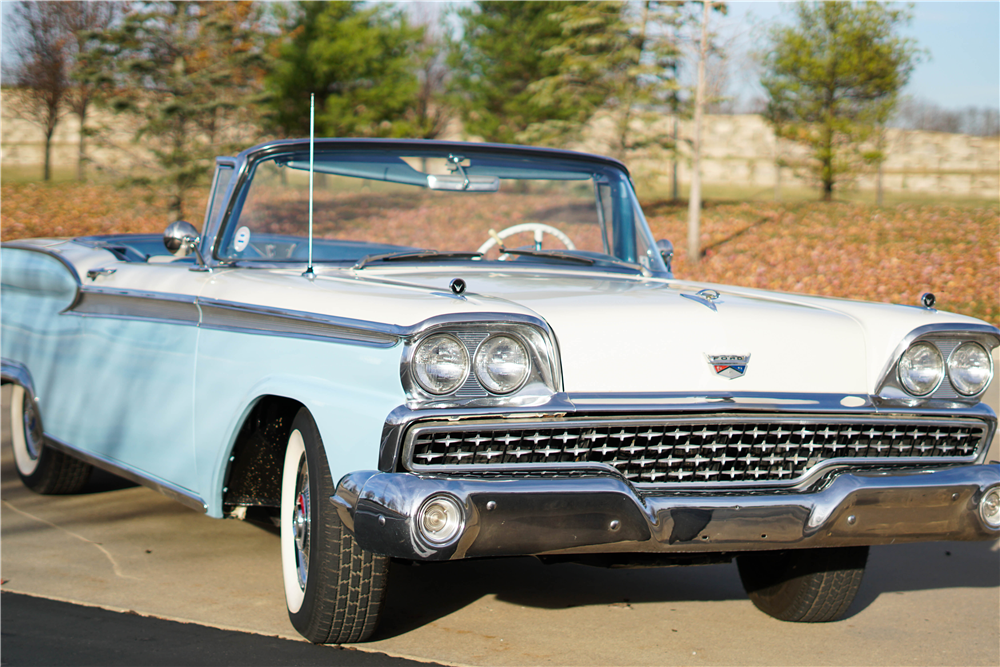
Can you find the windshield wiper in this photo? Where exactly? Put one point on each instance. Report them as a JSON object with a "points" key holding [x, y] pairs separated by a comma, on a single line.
{"points": [[415, 256], [589, 261], [550, 254]]}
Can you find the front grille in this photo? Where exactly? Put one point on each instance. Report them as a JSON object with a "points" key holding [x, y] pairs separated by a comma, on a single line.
{"points": [[716, 450]]}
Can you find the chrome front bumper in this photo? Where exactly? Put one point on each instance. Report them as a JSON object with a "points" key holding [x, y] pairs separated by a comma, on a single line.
{"points": [[606, 515]]}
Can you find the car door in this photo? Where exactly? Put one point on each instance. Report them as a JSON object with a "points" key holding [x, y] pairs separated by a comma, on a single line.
{"points": [[130, 387]]}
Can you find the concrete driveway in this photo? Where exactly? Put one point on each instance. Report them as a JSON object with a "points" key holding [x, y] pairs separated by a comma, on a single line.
{"points": [[123, 547]]}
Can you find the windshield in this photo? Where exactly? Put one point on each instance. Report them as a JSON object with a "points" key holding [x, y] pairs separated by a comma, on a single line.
{"points": [[372, 207]]}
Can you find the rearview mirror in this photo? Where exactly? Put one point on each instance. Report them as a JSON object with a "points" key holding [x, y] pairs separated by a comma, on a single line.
{"points": [[666, 249], [461, 183]]}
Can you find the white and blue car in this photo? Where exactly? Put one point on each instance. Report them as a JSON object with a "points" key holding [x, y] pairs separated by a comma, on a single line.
{"points": [[427, 351]]}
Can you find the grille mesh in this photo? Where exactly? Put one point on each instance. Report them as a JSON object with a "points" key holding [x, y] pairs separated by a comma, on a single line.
{"points": [[690, 451]]}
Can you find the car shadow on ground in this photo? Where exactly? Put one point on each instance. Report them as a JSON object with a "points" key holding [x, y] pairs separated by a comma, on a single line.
{"points": [[422, 594]]}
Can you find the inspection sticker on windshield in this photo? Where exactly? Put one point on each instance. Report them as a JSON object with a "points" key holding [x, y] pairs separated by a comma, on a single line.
{"points": [[242, 239], [729, 365]]}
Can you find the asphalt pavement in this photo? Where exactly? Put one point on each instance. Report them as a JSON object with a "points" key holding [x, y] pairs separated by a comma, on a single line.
{"points": [[126, 549], [47, 633]]}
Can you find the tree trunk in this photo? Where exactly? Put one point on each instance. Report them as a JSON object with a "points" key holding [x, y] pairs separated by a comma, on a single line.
{"points": [[47, 170], [694, 200], [81, 154]]}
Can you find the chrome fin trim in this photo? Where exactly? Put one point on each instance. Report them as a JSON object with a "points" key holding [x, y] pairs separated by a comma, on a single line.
{"points": [[228, 316], [133, 305]]}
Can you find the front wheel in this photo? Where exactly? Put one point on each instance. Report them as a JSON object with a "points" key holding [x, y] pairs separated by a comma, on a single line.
{"points": [[803, 585], [41, 468], [334, 590]]}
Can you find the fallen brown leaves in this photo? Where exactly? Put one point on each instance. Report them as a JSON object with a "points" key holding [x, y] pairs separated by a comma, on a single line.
{"points": [[889, 254], [857, 251], [31, 210]]}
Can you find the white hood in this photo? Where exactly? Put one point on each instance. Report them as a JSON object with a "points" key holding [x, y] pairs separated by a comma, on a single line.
{"points": [[625, 335]]}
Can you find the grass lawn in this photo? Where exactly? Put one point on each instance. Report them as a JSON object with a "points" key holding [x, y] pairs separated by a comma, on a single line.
{"points": [[848, 249]]}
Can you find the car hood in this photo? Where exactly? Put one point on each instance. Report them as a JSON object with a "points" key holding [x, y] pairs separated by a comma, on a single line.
{"points": [[625, 334]]}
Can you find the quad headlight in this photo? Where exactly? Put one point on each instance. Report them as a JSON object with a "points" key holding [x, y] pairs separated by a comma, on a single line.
{"points": [[480, 361], [502, 364], [945, 367], [440, 364], [970, 369], [921, 369]]}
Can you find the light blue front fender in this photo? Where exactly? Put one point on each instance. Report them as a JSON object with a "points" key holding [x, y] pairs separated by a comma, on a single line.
{"points": [[349, 390]]}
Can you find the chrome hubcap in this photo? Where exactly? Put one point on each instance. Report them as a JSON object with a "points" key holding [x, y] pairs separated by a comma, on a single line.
{"points": [[300, 524], [32, 427]]}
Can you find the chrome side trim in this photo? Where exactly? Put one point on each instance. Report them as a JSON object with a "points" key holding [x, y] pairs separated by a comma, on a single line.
{"points": [[135, 305], [228, 316], [603, 515], [172, 491]]}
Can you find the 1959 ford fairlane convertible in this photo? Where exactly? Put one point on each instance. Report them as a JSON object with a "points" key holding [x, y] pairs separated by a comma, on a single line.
{"points": [[425, 351]]}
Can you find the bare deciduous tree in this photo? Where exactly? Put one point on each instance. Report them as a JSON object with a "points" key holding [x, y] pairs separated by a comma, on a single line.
{"points": [[84, 23], [42, 69]]}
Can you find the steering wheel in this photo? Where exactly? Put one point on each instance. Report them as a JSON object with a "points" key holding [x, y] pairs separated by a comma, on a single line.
{"points": [[537, 228]]}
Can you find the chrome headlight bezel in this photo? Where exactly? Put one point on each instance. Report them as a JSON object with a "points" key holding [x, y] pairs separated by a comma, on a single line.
{"points": [[542, 379], [946, 339]]}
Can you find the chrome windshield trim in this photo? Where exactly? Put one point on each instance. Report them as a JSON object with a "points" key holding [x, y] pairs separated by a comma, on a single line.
{"points": [[229, 316], [172, 491]]}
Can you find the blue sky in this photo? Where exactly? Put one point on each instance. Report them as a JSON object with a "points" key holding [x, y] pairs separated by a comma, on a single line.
{"points": [[963, 39]]}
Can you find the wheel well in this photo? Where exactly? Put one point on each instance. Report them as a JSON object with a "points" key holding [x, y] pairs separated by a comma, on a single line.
{"points": [[253, 477]]}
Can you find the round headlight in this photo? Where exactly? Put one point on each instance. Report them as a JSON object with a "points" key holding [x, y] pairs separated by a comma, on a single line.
{"points": [[502, 364], [970, 369], [921, 369], [440, 364], [440, 520], [989, 507]]}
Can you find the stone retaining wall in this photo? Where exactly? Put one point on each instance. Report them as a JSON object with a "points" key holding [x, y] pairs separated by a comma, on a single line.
{"points": [[738, 151]]}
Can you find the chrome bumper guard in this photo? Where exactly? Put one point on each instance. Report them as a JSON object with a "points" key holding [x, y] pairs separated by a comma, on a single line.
{"points": [[605, 515]]}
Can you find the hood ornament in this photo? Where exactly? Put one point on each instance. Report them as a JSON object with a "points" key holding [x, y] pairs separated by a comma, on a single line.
{"points": [[729, 366], [705, 297]]}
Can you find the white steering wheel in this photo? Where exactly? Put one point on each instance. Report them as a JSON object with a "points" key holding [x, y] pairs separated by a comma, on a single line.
{"points": [[537, 228]]}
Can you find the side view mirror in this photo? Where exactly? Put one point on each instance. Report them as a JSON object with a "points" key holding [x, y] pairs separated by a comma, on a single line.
{"points": [[666, 249], [181, 239]]}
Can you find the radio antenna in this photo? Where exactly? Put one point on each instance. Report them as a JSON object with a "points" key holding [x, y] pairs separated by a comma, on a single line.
{"points": [[312, 140]]}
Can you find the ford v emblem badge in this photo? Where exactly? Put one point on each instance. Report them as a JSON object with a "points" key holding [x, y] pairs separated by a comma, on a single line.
{"points": [[729, 365]]}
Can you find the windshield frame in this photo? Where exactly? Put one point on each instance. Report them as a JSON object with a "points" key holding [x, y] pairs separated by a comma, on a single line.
{"points": [[227, 221]]}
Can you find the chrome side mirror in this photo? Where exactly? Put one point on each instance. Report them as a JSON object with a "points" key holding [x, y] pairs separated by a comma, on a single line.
{"points": [[181, 238], [666, 249]]}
